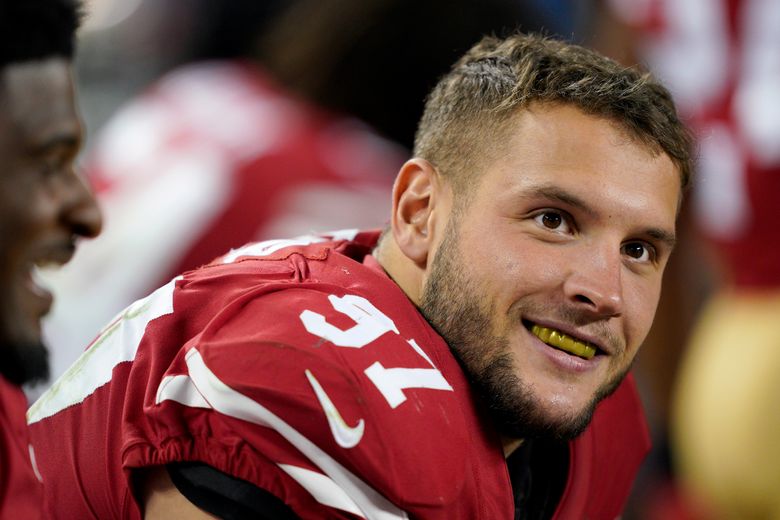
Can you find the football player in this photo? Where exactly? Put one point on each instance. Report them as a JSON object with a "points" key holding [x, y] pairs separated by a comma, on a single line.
{"points": [[470, 362], [44, 208]]}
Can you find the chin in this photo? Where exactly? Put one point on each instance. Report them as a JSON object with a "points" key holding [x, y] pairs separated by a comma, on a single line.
{"points": [[24, 361], [535, 419], [562, 401], [517, 408]]}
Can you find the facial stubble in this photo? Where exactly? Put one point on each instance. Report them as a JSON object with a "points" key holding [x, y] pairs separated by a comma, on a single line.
{"points": [[451, 304], [22, 360]]}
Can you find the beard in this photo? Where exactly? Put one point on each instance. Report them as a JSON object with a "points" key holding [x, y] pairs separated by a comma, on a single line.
{"points": [[450, 303], [23, 363], [23, 357]]}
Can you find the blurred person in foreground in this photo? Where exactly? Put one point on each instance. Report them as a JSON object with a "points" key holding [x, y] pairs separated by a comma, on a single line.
{"points": [[286, 117], [470, 362], [44, 208]]}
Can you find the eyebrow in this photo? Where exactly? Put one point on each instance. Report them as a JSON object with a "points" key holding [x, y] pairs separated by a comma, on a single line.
{"points": [[552, 192], [661, 235], [556, 193]]}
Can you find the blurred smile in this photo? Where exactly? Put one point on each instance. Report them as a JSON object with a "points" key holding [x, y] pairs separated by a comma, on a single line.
{"points": [[50, 255]]}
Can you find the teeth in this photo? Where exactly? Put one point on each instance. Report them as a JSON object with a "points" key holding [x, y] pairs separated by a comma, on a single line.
{"points": [[36, 283], [563, 342], [37, 276]]}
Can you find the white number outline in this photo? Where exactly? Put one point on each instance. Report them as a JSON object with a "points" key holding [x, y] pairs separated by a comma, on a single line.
{"points": [[370, 325]]}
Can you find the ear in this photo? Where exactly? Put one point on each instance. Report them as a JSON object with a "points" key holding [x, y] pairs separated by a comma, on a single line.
{"points": [[416, 194]]}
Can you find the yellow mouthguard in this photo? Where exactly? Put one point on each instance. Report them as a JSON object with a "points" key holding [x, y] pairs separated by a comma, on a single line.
{"points": [[562, 341]]}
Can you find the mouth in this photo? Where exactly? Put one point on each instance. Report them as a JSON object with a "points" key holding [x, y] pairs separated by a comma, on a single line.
{"points": [[562, 341], [54, 254], [34, 299], [35, 284]]}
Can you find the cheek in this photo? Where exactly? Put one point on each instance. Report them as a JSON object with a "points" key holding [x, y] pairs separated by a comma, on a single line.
{"points": [[39, 214], [18, 208], [522, 270], [538, 263], [641, 305]]}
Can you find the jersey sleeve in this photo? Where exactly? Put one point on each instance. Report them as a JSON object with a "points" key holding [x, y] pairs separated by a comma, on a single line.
{"points": [[315, 395]]}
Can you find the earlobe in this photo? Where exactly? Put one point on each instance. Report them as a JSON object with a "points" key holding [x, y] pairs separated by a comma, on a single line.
{"points": [[415, 195]]}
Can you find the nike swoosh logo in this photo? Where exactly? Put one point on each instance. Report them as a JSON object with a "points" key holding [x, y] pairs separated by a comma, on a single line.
{"points": [[346, 436]]}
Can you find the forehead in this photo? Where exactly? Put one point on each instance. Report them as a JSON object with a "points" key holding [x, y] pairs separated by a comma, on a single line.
{"points": [[589, 156], [37, 101]]}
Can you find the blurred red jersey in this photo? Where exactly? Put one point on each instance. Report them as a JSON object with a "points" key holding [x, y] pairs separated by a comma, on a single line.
{"points": [[21, 492], [720, 60]]}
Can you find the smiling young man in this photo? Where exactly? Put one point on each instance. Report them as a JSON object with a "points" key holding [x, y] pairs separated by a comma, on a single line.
{"points": [[544, 279], [468, 363], [44, 208]]}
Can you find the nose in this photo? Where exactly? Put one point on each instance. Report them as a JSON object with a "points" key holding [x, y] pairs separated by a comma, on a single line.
{"points": [[596, 284], [79, 209]]}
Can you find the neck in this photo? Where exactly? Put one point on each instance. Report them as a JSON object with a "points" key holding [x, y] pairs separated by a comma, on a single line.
{"points": [[510, 445], [400, 268]]}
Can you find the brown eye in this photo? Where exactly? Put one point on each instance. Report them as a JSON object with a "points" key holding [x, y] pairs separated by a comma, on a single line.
{"points": [[635, 250], [638, 251], [552, 220]]}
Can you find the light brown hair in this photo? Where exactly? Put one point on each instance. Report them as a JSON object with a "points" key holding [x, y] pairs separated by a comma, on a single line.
{"points": [[466, 113]]}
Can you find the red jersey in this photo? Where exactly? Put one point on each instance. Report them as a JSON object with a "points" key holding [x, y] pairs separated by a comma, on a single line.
{"points": [[20, 490], [300, 367]]}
